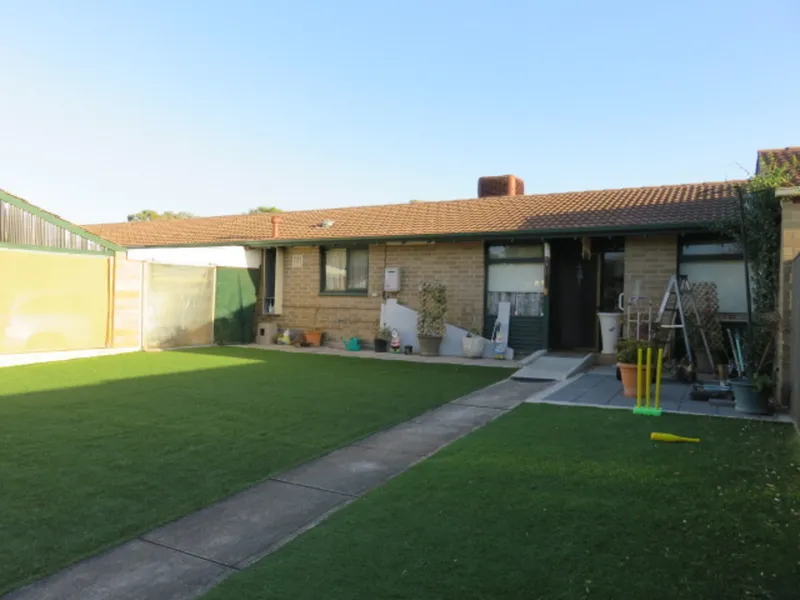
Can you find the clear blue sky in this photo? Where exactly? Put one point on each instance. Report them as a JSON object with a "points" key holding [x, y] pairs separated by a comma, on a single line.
{"points": [[109, 107]]}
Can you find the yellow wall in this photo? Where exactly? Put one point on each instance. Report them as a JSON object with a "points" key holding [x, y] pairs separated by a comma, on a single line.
{"points": [[53, 301], [127, 303]]}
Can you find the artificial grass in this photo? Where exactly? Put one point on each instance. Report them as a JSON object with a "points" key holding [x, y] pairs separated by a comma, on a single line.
{"points": [[95, 451], [563, 502]]}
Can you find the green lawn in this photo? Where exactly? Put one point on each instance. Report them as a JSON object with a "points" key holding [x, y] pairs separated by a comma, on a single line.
{"points": [[561, 503], [98, 450]]}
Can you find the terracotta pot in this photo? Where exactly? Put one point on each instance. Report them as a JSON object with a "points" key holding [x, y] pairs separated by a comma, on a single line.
{"points": [[314, 337], [429, 345], [628, 373]]}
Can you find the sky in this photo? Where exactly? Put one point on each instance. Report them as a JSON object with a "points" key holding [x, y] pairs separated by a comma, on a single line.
{"points": [[215, 107]]}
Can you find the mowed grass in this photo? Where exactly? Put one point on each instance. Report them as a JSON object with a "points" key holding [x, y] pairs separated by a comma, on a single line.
{"points": [[99, 450], [560, 503]]}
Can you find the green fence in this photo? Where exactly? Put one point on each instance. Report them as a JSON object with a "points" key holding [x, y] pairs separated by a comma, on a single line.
{"points": [[235, 304]]}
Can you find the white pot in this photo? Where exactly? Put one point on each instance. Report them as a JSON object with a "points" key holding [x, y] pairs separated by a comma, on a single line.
{"points": [[473, 346], [609, 330]]}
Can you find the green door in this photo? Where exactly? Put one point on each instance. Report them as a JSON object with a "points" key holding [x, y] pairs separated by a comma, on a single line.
{"points": [[235, 305]]}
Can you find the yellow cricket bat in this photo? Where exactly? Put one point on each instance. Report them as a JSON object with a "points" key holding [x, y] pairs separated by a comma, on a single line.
{"points": [[668, 437]]}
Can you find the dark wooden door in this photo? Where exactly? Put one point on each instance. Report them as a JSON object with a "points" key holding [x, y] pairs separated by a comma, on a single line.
{"points": [[573, 297]]}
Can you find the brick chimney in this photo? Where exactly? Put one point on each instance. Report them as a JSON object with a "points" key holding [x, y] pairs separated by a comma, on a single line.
{"points": [[276, 226], [500, 185]]}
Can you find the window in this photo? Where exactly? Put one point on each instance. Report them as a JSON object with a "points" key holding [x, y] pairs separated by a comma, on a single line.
{"points": [[270, 273], [516, 275], [345, 270], [718, 261]]}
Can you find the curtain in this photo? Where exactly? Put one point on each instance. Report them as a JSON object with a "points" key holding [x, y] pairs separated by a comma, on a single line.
{"points": [[359, 269], [521, 284], [336, 270]]}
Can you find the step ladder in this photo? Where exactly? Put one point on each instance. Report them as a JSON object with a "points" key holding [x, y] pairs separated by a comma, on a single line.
{"points": [[678, 300]]}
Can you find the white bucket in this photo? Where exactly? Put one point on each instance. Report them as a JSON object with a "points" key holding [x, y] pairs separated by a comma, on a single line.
{"points": [[609, 330]]}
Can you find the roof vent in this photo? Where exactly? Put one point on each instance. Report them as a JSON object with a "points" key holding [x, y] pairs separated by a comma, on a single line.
{"points": [[327, 223]]}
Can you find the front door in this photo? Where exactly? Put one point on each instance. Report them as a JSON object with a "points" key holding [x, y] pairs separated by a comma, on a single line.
{"points": [[573, 297]]}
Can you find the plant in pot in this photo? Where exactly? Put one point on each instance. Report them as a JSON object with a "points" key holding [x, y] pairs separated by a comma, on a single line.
{"points": [[473, 344], [757, 230], [382, 337], [627, 359], [430, 319], [752, 390], [314, 336]]}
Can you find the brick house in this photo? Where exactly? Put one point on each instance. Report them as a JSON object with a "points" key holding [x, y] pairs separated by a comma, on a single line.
{"points": [[558, 258]]}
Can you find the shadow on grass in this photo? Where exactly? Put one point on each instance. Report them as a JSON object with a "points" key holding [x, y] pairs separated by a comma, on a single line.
{"points": [[99, 450]]}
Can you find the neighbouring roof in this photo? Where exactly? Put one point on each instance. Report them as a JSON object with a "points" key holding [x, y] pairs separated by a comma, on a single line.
{"points": [[65, 235], [788, 157], [631, 209], [782, 157]]}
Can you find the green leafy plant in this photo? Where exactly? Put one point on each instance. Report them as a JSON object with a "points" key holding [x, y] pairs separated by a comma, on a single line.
{"points": [[383, 332], [432, 309], [628, 351], [758, 232]]}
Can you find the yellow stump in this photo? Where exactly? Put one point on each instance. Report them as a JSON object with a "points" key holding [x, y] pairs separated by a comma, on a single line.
{"points": [[658, 375], [649, 374], [639, 377]]}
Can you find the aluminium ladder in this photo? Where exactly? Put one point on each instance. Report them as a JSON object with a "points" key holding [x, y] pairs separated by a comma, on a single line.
{"points": [[678, 298]]}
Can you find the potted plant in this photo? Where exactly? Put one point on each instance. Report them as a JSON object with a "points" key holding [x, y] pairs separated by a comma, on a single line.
{"points": [[382, 336], [627, 359], [473, 344], [314, 335], [430, 319], [752, 390], [757, 231]]}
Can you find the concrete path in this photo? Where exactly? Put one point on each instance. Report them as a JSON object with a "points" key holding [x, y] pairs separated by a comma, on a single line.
{"points": [[187, 557]]}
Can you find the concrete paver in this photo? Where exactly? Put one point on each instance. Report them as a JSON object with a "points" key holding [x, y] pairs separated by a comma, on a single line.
{"points": [[506, 394], [417, 439], [184, 559], [600, 388], [466, 418], [352, 470], [245, 524], [136, 570]]}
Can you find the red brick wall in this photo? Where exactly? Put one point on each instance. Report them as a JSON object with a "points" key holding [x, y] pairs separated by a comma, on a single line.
{"points": [[500, 185]]}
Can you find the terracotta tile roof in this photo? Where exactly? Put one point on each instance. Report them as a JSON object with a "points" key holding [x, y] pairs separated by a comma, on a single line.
{"points": [[788, 157], [631, 208]]}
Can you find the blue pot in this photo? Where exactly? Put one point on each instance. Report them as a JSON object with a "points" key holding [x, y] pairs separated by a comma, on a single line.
{"points": [[748, 399]]}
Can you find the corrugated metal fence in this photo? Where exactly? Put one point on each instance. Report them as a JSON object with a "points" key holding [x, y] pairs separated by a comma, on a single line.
{"points": [[795, 342]]}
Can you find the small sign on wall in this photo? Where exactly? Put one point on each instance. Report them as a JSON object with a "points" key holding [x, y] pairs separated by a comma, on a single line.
{"points": [[297, 261]]}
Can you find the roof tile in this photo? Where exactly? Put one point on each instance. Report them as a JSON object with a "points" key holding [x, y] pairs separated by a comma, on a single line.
{"points": [[680, 205], [788, 157]]}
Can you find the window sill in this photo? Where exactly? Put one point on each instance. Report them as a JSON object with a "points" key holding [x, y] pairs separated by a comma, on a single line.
{"points": [[362, 293]]}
